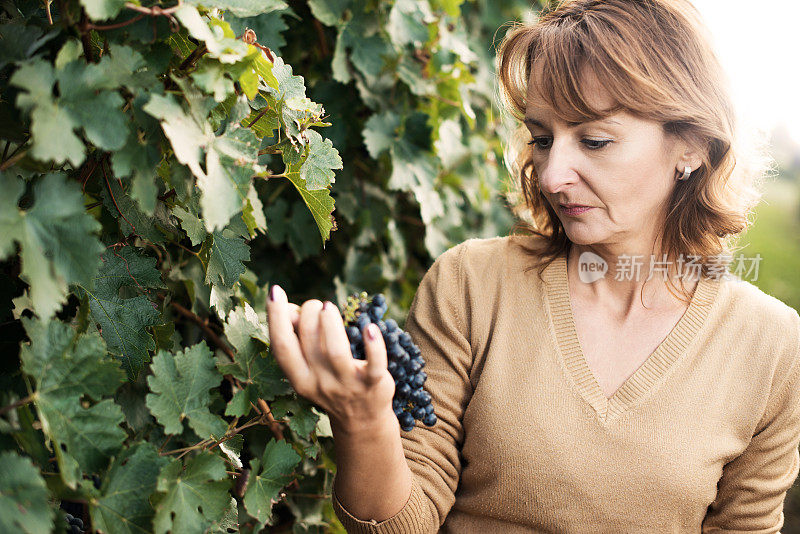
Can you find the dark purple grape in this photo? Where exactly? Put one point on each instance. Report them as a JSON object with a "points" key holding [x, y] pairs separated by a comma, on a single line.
{"points": [[413, 366], [419, 413], [429, 408], [353, 333], [416, 396], [429, 420], [391, 366], [405, 340], [399, 373], [379, 300], [406, 420], [391, 326], [418, 380], [403, 391]]}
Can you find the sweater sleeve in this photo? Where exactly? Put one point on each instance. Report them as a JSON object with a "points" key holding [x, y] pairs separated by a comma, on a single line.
{"points": [[436, 324], [753, 486]]}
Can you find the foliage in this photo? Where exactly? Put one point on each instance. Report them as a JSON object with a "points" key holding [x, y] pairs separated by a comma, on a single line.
{"points": [[161, 166]]}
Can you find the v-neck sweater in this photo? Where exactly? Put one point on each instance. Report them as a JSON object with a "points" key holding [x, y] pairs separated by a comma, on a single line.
{"points": [[702, 437]]}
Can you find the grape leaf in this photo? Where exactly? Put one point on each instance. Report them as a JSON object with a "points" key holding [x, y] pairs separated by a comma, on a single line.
{"points": [[322, 157], [192, 498], [66, 367], [303, 420], [319, 202], [23, 497], [380, 132], [267, 477], [408, 21], [18, 41], [227, 252], [124, 505], [261, 375], [219, 39], [56, 237], [124, 321], [179, 386], [103, 9], [244, 8], [138, 161], [268, 27], [328, 12], [231, 159]]}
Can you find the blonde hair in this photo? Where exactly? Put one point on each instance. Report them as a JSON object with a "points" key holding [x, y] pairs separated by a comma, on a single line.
{"points": [[656, 60]]}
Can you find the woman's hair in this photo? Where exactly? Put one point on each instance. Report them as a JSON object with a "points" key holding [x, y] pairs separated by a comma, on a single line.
{"points": [[656, 60]]}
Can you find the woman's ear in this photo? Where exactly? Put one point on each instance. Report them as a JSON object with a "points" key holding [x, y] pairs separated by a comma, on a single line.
{"points": [[689, 156]]}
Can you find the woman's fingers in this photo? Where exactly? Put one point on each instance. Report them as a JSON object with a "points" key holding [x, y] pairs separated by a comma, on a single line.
{"points": [[335, 342], [284, 343], [375, 348], [308, 331]]}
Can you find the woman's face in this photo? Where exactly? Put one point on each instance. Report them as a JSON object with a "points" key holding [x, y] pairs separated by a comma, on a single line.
{"points": [[622, 166]]}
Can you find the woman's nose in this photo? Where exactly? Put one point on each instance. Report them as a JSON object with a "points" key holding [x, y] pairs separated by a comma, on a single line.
{"points": [[557, 170]]}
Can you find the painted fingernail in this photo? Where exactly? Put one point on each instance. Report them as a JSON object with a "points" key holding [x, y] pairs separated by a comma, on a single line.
{"points": [[272, 293], [326, 305], [371, 332]]}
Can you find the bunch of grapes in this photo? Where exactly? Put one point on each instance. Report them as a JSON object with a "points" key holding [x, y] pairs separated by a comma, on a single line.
{"points": [[74, 524], [411, 402]]}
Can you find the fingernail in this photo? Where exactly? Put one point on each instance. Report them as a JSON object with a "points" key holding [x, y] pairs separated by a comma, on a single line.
{"points": [[371, 331], [272, 292], [327, 305]]}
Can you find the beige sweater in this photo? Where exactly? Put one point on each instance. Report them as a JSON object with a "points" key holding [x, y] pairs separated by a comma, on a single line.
{"points": [[703, 437]]}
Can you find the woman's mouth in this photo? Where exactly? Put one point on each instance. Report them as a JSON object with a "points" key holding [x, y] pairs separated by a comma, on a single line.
{"points": [[573, 210]]}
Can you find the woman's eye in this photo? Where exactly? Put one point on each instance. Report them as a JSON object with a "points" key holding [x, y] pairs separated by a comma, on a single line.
{"points": [[543, 143]]}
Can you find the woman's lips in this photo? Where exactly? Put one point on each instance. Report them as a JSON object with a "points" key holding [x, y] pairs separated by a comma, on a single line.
{"points": [[577, 210]]}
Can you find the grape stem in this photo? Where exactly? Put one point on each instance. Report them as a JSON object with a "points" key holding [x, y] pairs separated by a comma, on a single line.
{"points": [[17, 404]]}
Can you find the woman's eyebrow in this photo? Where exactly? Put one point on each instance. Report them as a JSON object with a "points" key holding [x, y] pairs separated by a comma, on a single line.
{"points": [[571, 124]]}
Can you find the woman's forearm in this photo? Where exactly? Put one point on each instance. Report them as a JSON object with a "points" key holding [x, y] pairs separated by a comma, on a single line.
{"points": [[373, 480]]}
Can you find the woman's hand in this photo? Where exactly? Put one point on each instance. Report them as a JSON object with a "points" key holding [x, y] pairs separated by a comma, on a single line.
{"points": [[311, 346]]}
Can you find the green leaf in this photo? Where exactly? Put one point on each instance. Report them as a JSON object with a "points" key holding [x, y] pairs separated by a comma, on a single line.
{"points": [[268, 477], [408, 22], [24, 503], [244, 8], [261, 374], [191, 497], [380, 132], [56, 237], [179, 386], [227, 49], [303, 420], [124, 504], [253, 213], [231, 159], [226, 257], [103, 9], [210, 77], [191, 223], [319, 202], [66, 367], [139, 161], [124, 321], [186, 134], [328, 12], [322, 157], [18, 41], [268, 27]]}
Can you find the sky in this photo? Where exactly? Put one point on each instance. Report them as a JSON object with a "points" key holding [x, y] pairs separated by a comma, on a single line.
{"points": [[757, 43]]}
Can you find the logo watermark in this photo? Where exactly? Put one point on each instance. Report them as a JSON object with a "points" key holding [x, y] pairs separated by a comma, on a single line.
{"points": [[592, 267]]}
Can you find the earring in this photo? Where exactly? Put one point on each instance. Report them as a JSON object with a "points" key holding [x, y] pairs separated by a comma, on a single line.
{"points": [[686, 172]]}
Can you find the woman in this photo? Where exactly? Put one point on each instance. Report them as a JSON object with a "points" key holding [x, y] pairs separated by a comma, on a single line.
{"points": [[589, 397]]}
